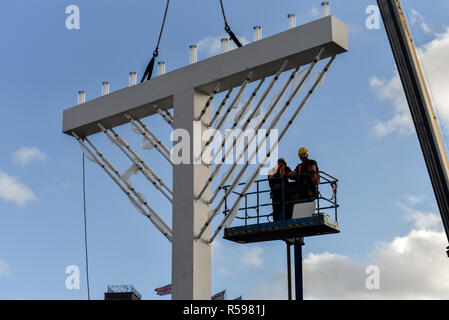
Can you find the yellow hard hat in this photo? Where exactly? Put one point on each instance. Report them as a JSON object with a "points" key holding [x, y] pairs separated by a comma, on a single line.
{"points": [[303, 152]]}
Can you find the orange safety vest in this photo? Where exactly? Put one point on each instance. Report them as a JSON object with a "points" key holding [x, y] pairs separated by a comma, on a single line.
{"points": [[275, 170], [313, 176]]}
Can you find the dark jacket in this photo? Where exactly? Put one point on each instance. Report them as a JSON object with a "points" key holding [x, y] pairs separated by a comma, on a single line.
{"points": [[276, 175]]}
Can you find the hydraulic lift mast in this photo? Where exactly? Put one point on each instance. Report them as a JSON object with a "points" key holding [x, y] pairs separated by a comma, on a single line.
{"points": [[419, 102]]}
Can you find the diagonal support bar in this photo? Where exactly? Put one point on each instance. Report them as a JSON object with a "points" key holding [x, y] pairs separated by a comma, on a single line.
{"points": [[137, 160], [230, 107], [209, 101], [221, 106], [129, 186], [140, 160], [134, 197], [256, 109], [218, 166], [214, 212], [146, 133], [168, 114], [163, 115], [274, 122], [254, 176], [236, 122], [261, 100]]}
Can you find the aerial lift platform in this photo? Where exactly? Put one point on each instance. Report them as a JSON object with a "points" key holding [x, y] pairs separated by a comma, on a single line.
{"points": [[310, 217]]}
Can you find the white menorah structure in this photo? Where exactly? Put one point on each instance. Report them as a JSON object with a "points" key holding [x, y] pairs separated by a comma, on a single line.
{"points": [[190, 91]]}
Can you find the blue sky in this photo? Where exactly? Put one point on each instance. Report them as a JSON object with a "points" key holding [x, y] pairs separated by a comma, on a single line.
{"points": [[364, 138]]}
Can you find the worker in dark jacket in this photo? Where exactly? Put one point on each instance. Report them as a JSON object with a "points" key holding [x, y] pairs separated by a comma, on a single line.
{"points": [[306, 177], [278, 181]]}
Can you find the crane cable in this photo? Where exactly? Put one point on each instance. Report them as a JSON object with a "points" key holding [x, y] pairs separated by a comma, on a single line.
{"points": [[149, 70], [150, 66], [85, 228], [228, 29]]}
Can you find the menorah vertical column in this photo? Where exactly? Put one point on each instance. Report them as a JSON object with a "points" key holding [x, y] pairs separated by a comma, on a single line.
{"points": [[191, 259]]}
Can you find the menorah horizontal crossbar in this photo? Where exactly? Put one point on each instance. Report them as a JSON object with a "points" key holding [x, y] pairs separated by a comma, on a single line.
{"points": [[264, 57]]}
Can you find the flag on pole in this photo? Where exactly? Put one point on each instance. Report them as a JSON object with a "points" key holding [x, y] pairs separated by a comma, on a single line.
{"points": [[239, 298], [219, 296], [162, 291]]}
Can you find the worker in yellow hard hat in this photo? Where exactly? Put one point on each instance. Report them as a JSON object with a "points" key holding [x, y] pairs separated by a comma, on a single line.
{"points": [[306, 176], [278, 181]]}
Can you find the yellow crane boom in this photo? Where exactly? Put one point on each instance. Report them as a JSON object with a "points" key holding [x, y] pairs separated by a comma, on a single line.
{"points": [[419, 102]]}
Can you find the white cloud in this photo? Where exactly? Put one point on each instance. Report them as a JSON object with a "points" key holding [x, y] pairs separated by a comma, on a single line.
{"points": [[434, 59], [27, 155], [227, 260], [314, 12], [413, 199], [354, 29], [4, 269], [252, 257], [425, 220], [413, 266], [274, 289], [422, 220], [12, 190], [220, 258], [391, 90], [211, 46], [416, 17], [222, 271]]}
